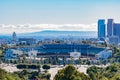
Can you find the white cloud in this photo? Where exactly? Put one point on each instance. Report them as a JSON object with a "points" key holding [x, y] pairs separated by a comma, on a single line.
{"points": [[23, 28]]}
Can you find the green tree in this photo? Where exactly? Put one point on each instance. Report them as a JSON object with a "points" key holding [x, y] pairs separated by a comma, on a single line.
{"points": [[46, 67], [4, 75], [94, 73], [70, 73], [72, 60], [79, 61], [88, 62], [117, 76], [64, 61]]}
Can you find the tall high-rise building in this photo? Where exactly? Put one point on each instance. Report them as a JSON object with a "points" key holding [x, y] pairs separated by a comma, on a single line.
{"points": [[14, 37], [101, 28], [116, 29], [110, 27]]}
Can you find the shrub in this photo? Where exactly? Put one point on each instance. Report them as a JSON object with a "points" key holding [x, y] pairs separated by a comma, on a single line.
{"points": [[46, 66], [28, 66]]}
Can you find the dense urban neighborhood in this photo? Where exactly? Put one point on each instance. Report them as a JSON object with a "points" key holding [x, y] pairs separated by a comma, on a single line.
{"points": [[27, 58]]}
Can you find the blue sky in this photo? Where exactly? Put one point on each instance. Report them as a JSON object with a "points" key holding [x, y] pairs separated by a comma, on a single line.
{"points": [[57, 11], [84, 13]]}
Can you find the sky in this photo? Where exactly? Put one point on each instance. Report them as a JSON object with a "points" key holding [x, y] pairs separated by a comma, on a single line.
{"points": [[37, 15]]}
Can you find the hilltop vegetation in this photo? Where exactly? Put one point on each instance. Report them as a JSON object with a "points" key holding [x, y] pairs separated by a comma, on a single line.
{"points": [[70, 73], [111, 72], [27, 73]]}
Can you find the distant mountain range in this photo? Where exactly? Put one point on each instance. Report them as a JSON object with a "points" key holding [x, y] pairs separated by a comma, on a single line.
{"points": [[56, 34]]}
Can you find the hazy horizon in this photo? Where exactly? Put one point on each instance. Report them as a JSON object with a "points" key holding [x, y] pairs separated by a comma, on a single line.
{"points": [[36, 15], [27, 28]]}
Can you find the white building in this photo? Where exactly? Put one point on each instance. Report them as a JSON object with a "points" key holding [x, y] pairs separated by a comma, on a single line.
{"points": [[14, 37], [13, 54], [104, 54]]}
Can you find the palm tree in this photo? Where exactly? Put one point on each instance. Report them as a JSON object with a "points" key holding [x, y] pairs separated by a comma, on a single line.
{"points": [[57, 60], [41, 60], [64, 60], [79, 61], [72, 60]]}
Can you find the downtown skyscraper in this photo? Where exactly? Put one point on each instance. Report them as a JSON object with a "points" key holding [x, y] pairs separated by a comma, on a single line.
{"points": [[112, 29], [101, 28], [110, 23]]}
